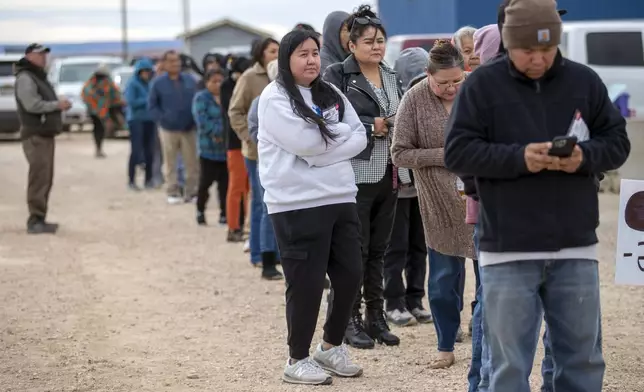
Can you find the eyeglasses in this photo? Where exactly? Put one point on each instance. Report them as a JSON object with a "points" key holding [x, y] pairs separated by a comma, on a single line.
{"points": [[366, 21], [449, 83]]}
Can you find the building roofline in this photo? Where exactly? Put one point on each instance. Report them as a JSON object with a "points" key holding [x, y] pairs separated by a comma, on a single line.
{"points": [[221, 23]]}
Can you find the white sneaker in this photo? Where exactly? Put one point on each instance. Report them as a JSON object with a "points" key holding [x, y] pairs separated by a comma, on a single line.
{"points": [[247, 246], [336, 360], [400, 318], [306, 371], [174, 200]]}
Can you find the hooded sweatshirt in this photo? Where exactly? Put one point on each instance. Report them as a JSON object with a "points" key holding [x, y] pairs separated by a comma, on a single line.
{"points": [[411, 66], [297, 168], [137, 91], [332, 51]]}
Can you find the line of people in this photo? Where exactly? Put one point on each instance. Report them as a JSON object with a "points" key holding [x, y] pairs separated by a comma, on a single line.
{"points": [[351, 161]]}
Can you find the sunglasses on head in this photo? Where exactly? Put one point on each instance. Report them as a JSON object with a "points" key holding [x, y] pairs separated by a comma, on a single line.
{"points": [[366, 21]]}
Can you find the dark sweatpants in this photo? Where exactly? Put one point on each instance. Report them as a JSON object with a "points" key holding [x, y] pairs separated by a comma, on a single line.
{"points": [[39, 152], [406, 253], [314, 242], [212, 171]]}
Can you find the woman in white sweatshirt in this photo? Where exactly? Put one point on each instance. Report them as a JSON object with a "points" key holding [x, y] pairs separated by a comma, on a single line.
{"points": [[308, 131]]}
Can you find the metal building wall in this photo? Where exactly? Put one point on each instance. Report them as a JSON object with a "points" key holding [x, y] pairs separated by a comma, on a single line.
{"points": [[445, 16]]}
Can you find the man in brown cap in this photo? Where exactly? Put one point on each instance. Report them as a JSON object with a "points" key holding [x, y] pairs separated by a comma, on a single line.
{"points": [[538, 205]]}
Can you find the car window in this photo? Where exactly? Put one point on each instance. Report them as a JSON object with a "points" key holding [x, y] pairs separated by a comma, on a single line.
{"points": [[616, 49], [6, 68], [563, 46], [81, 72]]}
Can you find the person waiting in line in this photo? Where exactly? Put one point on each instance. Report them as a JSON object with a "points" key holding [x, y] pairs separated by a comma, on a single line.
{"points": [[207, 112], [308, 132], [249, 86], [268, 244], [170, 104], [142, 127], [374, 91], [335, 48], [419, 145], [104, 104], [237, 196], [407, 251], [549, 265], [463, 40]]}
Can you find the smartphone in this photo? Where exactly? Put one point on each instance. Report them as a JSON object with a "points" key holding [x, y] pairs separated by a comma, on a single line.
{"points": [[563, 146]]}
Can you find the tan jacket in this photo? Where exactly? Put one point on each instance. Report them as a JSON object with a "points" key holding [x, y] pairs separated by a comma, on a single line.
{"points": [[249, 86]]}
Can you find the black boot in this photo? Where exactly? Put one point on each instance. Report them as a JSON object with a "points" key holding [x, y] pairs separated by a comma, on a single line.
{"points": [[378, 329], [37, 225], [355, 335], [269, 271]]}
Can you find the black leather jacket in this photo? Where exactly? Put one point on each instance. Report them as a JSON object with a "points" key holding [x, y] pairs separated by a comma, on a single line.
{"points": [[348, 77]]}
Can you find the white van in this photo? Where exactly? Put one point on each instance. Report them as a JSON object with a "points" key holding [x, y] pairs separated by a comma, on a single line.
{"points": [[614, 49], [9, 122], [68, 75]]}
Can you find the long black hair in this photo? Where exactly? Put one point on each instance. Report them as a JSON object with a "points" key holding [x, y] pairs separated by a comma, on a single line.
{"points": [[323, 94], [259, 48]]}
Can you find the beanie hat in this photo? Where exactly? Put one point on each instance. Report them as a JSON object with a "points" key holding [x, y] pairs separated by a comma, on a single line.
{"points": [[486, 42], [530, 23]]}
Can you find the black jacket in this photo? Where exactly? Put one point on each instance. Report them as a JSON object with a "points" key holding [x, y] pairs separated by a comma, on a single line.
{"points": [[226, 93], [497, 112], [348, 77]]}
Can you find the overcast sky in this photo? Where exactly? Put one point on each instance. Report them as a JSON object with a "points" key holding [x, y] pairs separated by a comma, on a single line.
{"points": [[24, 21]]}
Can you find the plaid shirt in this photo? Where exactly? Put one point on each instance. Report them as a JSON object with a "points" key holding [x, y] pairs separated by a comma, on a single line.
{"points": [[372, 171]]}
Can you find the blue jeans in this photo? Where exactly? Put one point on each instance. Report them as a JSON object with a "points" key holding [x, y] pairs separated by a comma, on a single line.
{"points": [[444, 296], [267, 241], [142, 145], [181, 171], [515, 295], [255, 211]]}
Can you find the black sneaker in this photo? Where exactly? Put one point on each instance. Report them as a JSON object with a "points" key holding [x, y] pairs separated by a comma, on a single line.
{"points": [[271, 273], [223, 221], [235, 236], [133, 187], [201, 218], [378, 329], [355, 334], [41, 227]]}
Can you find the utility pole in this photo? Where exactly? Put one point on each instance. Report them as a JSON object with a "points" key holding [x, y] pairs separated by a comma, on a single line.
{"points": [[124, 43], [185, 6]]}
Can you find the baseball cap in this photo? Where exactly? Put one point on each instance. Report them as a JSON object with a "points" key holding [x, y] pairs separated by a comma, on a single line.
{"points": [[37, 48]]}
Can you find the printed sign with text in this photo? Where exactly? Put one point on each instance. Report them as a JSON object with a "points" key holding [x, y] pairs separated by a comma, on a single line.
{"points": [[629, 268]]}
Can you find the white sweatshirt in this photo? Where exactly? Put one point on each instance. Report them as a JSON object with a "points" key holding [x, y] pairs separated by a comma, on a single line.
{"points": [[297, 168]]}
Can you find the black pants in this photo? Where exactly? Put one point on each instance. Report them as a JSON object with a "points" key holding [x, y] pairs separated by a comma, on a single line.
{"points": [[211, 171], [99, 132], [376, 209], [406, 252], [315, 242]]}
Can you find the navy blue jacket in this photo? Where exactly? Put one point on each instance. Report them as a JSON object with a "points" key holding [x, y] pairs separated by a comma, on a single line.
{"points": [[170, 102], [496, 114]]}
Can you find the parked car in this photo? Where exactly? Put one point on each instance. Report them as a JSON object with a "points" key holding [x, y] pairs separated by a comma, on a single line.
{"points": [[68, 76], [398, 43], [615, 50], [9, 123], [122, 75]]}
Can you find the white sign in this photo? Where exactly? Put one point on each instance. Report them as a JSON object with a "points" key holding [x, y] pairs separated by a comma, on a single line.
{"points": [[629, 268]]}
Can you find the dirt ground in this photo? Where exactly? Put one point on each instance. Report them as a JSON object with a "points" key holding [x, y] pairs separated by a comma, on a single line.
{"points": [[132, 296]]}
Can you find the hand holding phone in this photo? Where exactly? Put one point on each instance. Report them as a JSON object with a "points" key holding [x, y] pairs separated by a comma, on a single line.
{"points": [[563, 146]]}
